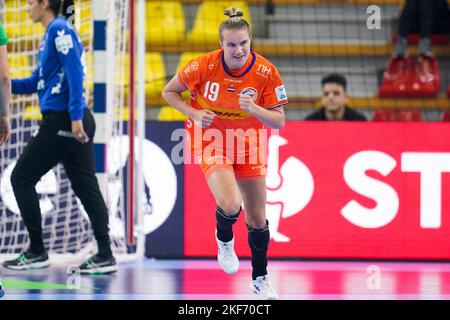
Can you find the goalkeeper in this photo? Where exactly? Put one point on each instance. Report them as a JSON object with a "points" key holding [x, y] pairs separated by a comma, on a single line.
{"points": [[65, 135]]}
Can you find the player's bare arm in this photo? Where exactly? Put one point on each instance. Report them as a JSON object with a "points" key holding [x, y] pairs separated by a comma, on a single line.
{"points": [[273, 118], [5, 89], [172, 94]]}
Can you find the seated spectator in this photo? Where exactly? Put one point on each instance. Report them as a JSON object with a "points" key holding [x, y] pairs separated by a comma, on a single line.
{"points": [[425, 17], [334, 101]]}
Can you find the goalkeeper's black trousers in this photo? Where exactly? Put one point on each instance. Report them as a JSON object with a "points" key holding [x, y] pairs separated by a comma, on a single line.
{"points": [[55, 144]]}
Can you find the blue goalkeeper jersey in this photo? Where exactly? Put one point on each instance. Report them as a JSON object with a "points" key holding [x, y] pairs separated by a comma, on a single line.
{"points": [[58, 78]]}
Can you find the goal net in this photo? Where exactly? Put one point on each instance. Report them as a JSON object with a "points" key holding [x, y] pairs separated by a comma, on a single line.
{"points": [[66, 226]]}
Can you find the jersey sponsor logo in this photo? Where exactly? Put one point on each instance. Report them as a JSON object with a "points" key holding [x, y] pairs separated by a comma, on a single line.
{"points": [[264, 69], [223, 113], [194, 65], [229, 114], [280, 91], [250, 91], [63, 42], [232, 80], [257, 167]]}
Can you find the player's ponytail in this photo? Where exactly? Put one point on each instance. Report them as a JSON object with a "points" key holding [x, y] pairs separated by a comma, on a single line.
{"points": [[67, 10], [234, 21], [233, 12], [62, 8]]}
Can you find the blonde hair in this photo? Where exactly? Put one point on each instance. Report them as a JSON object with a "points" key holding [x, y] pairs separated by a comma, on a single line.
{"points": [[234, 21]]}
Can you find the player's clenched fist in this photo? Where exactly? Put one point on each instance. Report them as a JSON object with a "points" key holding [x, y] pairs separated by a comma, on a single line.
{"points": [[247, 104], [203, 118]]}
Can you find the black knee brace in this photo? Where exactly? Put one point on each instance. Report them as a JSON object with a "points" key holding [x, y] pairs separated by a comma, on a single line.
{"points": [[258, 239], [225, 224]]}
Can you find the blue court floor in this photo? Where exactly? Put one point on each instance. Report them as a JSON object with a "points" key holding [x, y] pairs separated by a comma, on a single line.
{"points": [[152, 279]]}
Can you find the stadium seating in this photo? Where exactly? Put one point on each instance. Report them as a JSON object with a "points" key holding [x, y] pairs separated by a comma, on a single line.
{"points": [[19, 66], [396, 115], [186, 57], [394, 78], [208, 19], [165, 22], [306, 39], [411, 77], [427, 77], [18, 24], [169, 113], [83, 20], [155, 74], [446, 116], [89, 78]]}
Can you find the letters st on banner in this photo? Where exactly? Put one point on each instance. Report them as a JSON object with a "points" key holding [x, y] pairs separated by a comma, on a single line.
{"points": [[344, 190]]}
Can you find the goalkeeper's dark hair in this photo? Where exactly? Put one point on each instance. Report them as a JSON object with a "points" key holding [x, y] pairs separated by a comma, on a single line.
{"points": [[234, 21], [61, 8], [336, 78]]}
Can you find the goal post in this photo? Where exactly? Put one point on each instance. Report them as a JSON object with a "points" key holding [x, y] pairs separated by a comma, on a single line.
{"points": [[104, 28]]}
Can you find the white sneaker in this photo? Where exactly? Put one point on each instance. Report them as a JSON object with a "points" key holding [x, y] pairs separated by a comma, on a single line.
{"points": [[227, 257], [262, 287]]}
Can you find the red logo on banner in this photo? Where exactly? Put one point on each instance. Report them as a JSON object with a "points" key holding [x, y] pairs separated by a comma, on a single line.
{"points": [[343, 190]]}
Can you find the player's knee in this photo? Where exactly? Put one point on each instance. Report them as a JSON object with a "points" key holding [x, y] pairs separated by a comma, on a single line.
{"points": [[229, 207], [257, 222]]}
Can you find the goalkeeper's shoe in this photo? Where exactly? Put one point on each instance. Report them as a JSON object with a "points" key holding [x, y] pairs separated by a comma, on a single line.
{"points": [[98, 265], [28, 261]]}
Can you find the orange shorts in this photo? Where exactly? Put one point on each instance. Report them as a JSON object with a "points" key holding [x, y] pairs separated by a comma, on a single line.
{"points": [[245, 157], [242, 167]]}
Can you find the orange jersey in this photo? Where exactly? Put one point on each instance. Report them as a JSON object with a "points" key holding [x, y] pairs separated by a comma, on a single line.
{"points": [[214, 87]]}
